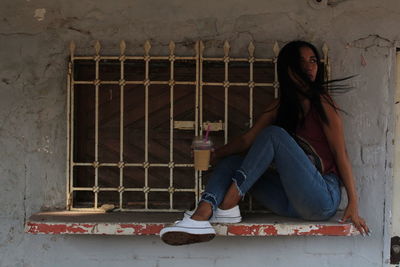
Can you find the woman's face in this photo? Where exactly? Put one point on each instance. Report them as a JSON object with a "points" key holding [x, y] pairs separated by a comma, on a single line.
{"points": [[308, 62]]}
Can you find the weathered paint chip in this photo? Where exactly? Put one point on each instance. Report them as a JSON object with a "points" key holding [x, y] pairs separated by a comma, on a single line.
{"points": [[39, 14], [154, 229], [65, 222]]}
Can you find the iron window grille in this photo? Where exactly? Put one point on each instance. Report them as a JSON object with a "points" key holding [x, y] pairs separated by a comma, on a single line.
{"points": [[130, 121]]}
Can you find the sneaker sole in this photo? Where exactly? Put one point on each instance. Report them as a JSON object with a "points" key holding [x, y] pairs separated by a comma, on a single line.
{"points": [[220, 219], [182, 238], [226, 220]]}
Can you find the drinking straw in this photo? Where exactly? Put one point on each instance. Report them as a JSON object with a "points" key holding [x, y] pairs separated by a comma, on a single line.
{"points": [[207, 133]]}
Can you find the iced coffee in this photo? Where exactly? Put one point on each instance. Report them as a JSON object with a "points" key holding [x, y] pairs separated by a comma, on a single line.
{"points": [[202, 152]]}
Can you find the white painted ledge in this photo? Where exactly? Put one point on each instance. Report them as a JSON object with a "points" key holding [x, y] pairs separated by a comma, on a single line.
{"points": [[150, 223]]}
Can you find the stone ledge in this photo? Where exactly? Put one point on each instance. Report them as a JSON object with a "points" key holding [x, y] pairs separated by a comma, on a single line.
{"points": [[150, 223]]}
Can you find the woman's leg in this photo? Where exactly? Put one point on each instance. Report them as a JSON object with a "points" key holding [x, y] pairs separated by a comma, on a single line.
{"points": [[217, 186], [306, 189], [269, 192]]}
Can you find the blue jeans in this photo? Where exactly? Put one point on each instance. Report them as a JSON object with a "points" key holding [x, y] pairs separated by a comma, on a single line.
{"points": [[295, 189]]}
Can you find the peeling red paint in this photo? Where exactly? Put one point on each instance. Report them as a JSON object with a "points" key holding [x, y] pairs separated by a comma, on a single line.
{"points": [[154, 229], [144, 229], [273, 230], [44, 228], [270, 230], [252, 230], [342, 230]]}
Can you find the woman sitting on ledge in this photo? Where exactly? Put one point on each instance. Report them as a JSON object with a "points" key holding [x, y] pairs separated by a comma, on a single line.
{"points": [[301, 134]]}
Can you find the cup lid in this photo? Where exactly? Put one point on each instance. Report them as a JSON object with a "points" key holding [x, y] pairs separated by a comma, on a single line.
{"points": [[198, 140]]}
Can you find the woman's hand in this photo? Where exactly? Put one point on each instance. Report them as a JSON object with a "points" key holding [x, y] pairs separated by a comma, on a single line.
{"points": [[351, 213]]}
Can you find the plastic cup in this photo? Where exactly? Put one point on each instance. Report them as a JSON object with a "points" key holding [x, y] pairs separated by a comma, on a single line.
{"points": [[202, 152]]}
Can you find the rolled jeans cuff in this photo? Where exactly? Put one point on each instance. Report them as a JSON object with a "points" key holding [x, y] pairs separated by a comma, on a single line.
{"points": [[210, 198], [238, 179]]}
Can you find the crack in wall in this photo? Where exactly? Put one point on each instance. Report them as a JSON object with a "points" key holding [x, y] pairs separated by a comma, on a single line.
{"points": [[372, 40], [25, 193], [298, 23], [19, 33], [80, 31], [335, 3]]}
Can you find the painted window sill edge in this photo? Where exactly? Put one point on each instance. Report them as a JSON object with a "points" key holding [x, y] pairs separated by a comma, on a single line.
{"points": [[151, 223]]}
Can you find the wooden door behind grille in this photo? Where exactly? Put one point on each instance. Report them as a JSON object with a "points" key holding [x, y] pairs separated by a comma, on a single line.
{"points": [[159, 126]]}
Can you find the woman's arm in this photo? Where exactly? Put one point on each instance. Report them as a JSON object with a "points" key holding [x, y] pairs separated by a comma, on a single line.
{"points": [[243, 142], [335, 136]]}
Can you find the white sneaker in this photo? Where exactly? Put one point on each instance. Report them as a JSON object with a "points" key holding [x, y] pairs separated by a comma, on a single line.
{"points": [[187, 231], [221, 216]]}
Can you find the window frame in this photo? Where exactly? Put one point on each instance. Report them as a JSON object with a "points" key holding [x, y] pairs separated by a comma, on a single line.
{"points": [[199, 124]]}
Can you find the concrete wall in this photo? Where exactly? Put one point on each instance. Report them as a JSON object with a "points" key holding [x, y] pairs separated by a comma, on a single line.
{"points": [[396, 167], [34, 35]]}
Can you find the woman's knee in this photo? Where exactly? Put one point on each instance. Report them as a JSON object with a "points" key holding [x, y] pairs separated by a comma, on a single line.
{"points": [[274, 130]]}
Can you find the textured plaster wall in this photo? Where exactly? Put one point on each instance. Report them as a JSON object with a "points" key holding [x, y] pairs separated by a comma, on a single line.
{"points": [[34, 35]]}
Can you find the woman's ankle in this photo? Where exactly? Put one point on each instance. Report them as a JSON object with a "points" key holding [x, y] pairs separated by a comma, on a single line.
{"points": [[203, 212], [231, 199]]}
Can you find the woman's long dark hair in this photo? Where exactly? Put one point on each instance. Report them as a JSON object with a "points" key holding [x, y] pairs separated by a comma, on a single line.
{"points": [[290, 111]]}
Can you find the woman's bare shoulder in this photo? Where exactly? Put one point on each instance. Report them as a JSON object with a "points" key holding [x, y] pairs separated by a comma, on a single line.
{"points": [[328, 103], [268, 115], [272, 107]]}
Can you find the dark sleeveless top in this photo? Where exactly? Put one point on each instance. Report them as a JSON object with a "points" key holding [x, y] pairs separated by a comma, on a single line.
{"points": [[311, 138]]}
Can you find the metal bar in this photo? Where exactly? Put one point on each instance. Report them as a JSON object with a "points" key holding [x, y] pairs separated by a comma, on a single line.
{"points": [[121, 124], [96, 134], [132, 210], [116, 189], [83, 164], [241, 59], [77, 58], [226, 87], [70, 126], [251, 82], [199, 110], [161, 190], [132, 58], [237, 59], [226, 113], [133, 164], [177, 58], [96, 130], [67, 199], [136, 82], [184, 83], [161, 83], [147, 47], [108, 82], [199, 92], [83, 82], [171, 125], [71, 143], [69, 176], [236, 84], [152, 210]]}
